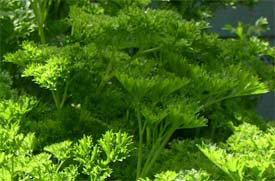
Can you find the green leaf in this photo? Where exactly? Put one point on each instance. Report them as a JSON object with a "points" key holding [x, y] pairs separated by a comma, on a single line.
{"points": [[61, 151]]}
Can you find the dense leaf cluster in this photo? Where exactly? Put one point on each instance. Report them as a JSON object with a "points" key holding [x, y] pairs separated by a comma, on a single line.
{"points": [[59, 161], [152, 69]]}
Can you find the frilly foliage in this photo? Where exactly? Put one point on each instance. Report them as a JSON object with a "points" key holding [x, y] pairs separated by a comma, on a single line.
{"points": [[149, 67], [19, 162], [187, 175], [247, 155]]}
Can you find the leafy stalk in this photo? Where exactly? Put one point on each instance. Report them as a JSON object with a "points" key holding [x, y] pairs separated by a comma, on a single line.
{"points": [[64, 97], [41, 33], [140, 142], [41, 8], [155, 152], [56, 100]]}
